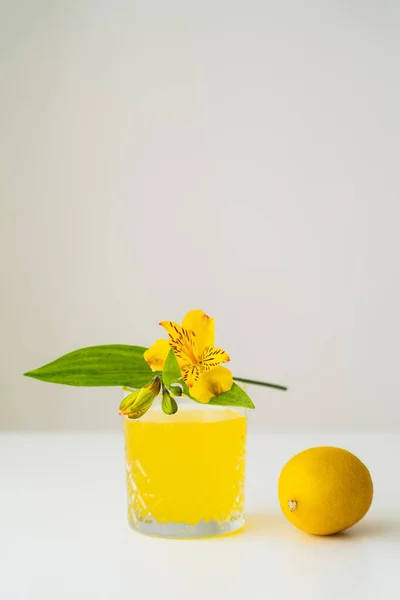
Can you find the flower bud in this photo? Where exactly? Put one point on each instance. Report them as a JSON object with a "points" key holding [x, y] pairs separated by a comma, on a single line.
{"points": [[127, 402], [175, 389], [168, 404], [138, 403]]}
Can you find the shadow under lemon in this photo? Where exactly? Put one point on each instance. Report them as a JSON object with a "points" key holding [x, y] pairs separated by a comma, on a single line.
{"points": [[270, 525]]}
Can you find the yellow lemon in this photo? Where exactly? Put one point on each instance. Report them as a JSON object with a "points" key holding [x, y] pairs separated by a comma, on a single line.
{"points": [[324, 490]]}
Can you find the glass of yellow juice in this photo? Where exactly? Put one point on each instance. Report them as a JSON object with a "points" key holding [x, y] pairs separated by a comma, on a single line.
{"points": [[185, 472]]}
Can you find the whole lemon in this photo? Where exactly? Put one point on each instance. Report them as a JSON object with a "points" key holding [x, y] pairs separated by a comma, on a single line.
{"points": [[325, 490]]}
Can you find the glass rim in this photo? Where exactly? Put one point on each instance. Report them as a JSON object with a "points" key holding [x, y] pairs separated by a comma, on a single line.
{"points": [[191, 406]]}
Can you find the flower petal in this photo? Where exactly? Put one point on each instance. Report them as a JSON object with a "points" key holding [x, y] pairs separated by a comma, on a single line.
{"points": [[212, 357], [182, 341], [212, 383], [155, 356], [203, 327], [191, 373]]}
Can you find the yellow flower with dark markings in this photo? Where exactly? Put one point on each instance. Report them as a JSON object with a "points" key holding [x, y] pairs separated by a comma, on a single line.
{"points": [[198, 358]]}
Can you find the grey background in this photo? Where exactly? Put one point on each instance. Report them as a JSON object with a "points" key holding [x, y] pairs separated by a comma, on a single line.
{"points": [[240, 157]]}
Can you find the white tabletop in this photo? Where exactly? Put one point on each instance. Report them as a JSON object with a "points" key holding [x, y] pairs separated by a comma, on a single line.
{"points": [[64, 532]]}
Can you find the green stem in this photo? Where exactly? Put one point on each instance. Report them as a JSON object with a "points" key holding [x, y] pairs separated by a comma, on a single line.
{"points": [[271, 385]]}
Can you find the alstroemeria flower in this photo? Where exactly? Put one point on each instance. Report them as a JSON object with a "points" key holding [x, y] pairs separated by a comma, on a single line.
{"points": [[193, 345], [212, 383]]}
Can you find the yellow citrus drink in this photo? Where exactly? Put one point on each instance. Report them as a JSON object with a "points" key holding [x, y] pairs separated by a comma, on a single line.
{"points": [[185, 472]]}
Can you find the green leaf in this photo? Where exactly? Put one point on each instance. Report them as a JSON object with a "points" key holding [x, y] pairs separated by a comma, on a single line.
{"points": [[185, 389], [235, 397], [115, 364], [171, 372]]}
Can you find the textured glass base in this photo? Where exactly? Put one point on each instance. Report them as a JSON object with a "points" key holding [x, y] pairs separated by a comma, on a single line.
{"points": [[181, 530]]}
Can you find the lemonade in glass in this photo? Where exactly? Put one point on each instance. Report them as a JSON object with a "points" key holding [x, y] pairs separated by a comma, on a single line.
{"points": [[185, 473]]}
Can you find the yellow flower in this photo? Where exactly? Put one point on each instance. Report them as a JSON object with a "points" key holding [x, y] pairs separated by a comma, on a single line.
{"points": [[193, 345], [212, 383]]}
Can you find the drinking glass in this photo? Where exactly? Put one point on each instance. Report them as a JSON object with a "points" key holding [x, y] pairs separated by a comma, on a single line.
{"points": [[186, 472]]}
